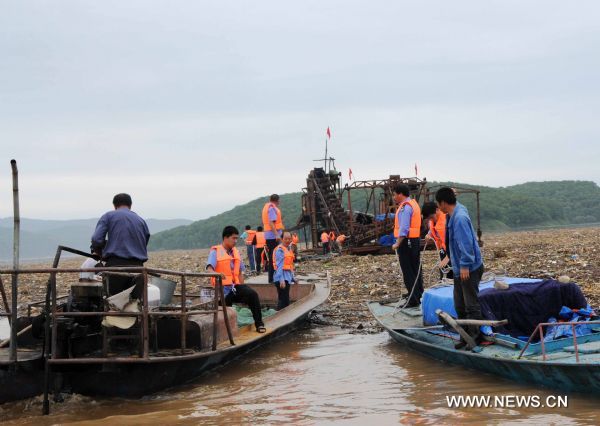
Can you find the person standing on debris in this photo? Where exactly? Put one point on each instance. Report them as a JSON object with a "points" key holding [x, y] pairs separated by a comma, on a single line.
{"points": [[467, 263], [273, 226], [225, 259], [283, 261], [407, 231], [331, 238], [294, 246], [259, 242], [325, 241], [248, 237], [339, 241], [436, 221], [121, 239]]}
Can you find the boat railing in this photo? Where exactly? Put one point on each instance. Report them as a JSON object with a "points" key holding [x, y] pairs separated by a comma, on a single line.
{"points": [[539, 331], [53, 312]]}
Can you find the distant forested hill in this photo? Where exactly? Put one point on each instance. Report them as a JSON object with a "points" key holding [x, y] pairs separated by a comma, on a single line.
{"points": [[529, 204], [39, 238]]}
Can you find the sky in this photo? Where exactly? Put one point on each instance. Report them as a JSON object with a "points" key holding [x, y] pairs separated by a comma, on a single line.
{"points": [[195, 107]]}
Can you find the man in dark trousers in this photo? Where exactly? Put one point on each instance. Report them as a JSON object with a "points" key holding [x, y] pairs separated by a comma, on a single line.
{"points": [[121, 239], [226, 260], [273, 226], [467, 263], [407, 231]]}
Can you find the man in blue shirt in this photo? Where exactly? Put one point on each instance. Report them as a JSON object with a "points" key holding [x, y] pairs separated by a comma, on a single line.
{"points": [[407, 231], [465, 256], [121, 239]]}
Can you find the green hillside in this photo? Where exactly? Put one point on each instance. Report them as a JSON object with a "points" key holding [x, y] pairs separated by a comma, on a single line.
{"points": [[513, 207], [204, 233]]}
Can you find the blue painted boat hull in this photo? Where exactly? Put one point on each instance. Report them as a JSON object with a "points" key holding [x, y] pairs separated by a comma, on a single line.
{"points": [[565, 376]]}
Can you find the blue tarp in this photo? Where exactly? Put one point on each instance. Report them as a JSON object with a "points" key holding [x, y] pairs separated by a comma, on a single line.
{"points": [[441, 297], [559, 331], [386, 240], [525, 303], [381, 217]]}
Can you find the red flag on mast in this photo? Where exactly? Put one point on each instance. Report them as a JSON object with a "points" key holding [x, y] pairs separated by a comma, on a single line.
{"points": [[328, 133], [349, 174]]}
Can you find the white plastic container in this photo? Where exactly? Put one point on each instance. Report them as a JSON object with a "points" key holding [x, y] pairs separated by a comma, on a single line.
{"points": [[153, 296]]}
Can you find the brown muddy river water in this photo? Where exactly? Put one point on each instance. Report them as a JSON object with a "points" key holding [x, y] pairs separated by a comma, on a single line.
{"points": [[319, 376]]}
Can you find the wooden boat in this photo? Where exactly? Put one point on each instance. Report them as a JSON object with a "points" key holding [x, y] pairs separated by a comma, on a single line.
{"points": [[569, 364], [172, 344]]}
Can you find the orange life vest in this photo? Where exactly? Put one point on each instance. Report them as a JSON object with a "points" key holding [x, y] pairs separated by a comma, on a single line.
{"points": [[295, 239], [438, 232], [332, 236], [324, 237], [414, 230], [288, 258], [341, 238], [265, 217], [251, 233], [232, 276], [260, 240]]}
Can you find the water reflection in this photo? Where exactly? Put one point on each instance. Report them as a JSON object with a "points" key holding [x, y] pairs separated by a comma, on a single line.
{"points": [[323, 376]]}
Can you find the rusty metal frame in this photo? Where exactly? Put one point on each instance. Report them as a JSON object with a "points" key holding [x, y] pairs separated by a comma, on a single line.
{"points": [[330, 215], [52, 313], [539, 329]]}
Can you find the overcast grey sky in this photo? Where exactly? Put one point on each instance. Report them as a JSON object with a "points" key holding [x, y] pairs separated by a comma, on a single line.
{"points": [[194, 106]]}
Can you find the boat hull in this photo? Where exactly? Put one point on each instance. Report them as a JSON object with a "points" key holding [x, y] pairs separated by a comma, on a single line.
{"points": [[139, 377], [565, 377], [133, 380]]}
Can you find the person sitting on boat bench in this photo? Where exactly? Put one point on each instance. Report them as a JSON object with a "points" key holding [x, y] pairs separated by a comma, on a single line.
{"points": [[226, 260], [283, 262], [467, 264], [127, 241]]}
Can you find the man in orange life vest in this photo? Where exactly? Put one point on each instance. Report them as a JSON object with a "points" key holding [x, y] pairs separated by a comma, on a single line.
{"points": [[331, 237], [339, 242], [407, 230], [225, 260], [273, 226], [294, 245], [248, 237], [259, 242], [325, 241], [283, 259], [436, 220]]}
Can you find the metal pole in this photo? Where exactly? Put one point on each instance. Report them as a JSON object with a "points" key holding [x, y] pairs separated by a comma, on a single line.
{"points": [[183, 317], [478, 221], [225, 316], [217, 288], [305, 239], [15, 277], [5, 300], [325, 155], [145, 315]]}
